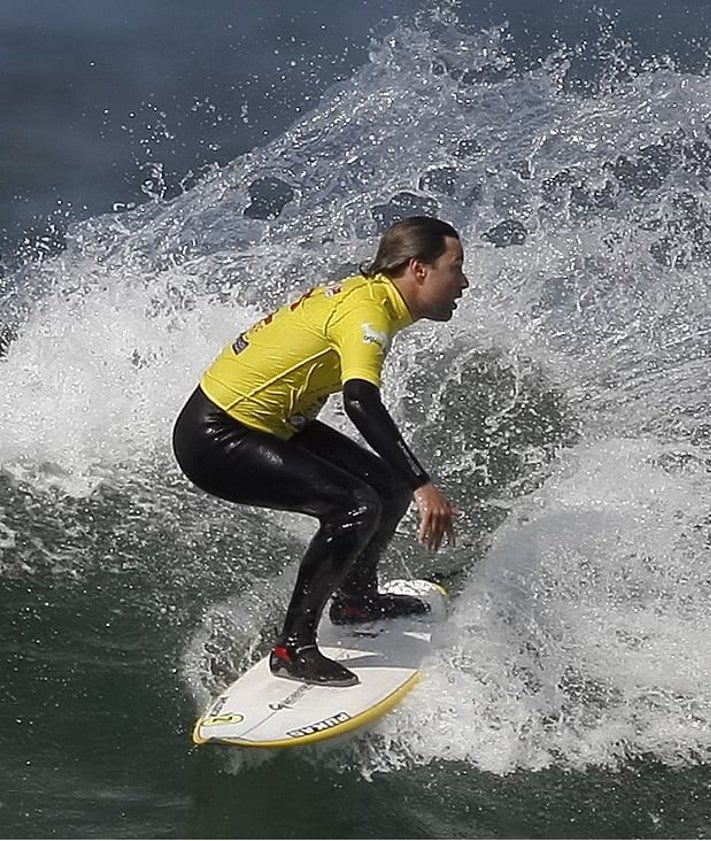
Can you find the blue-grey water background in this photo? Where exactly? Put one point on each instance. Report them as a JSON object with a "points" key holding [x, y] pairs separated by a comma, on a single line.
{"points": [[169, 172]]}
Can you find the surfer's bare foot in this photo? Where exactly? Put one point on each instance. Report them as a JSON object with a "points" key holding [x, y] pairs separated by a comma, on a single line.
{"points": [[308, 665], [347, 610]]}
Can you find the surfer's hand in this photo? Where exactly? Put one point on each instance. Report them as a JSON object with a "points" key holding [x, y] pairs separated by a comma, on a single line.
{"points": [[436, 514]]}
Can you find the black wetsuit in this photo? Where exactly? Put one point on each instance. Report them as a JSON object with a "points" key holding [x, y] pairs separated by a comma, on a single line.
{"points": [[357, 496]]}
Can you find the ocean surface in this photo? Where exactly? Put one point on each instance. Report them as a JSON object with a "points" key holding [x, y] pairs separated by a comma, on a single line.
{"points": [[171, 171]]}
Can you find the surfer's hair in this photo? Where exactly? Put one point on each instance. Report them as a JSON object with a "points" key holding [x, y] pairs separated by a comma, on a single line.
{"points": [[417, 237]]}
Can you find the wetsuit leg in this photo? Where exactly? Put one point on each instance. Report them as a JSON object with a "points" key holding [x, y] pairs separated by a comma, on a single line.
{"points": [[231, 461], [395, 497]]}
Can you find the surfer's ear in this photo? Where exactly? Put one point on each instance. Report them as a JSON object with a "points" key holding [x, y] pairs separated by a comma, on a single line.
{"points": [[418, 268]]}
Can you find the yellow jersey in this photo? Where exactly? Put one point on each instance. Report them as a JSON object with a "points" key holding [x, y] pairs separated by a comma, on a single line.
{"points": [[277, 375]]}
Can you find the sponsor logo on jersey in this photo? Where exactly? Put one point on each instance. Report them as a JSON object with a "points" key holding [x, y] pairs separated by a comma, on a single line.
{"points": [[240, 343], [332, 290], [371, 336], [324, 724]]}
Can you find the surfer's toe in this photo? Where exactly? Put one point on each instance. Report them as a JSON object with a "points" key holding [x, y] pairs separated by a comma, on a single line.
{"points": [[307, 664], [346, 610]]}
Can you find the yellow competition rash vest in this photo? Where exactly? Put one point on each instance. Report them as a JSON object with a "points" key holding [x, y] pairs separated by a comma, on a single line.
{"points": [[278, 374]]}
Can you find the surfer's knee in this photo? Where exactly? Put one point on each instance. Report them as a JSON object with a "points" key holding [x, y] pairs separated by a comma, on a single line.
{"points": [[364, 513], [360, 512]]}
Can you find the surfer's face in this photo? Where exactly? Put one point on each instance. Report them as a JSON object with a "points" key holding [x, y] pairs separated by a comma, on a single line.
{"points": [[442, 282]]}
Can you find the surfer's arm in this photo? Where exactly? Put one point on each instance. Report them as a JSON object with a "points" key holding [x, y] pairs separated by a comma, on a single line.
{"points": [[362, 403]]}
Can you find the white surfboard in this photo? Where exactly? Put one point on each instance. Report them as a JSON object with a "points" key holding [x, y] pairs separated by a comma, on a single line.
{"points": [[262, 711]]}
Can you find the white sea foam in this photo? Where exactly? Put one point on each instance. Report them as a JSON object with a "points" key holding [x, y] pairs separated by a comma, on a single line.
{"points": [[98, 374], [580, 637]]}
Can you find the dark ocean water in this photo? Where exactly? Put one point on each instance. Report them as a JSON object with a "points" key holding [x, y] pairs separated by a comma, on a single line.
{"points": [[170, 172]]}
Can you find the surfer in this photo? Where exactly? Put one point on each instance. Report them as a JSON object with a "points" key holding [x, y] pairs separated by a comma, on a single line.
{"points": [[249, 433]]}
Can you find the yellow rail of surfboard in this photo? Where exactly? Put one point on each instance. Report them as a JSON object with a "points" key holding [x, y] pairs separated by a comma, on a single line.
{"points": [[359, 720]]}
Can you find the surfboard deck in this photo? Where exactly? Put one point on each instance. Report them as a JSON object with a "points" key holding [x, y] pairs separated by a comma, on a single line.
{"points": [[259, 710]]}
